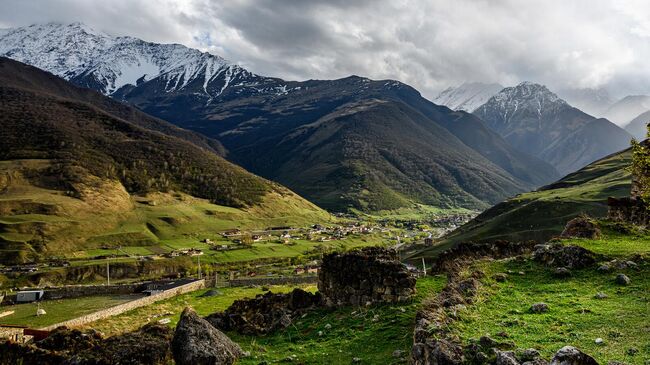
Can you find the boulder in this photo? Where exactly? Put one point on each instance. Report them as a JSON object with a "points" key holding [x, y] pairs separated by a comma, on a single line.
{"points": [[622, 279], [506, 358], [558, 255], [197, 342], [561, 272], [581, 227], [539, 308], [569, 355], [529, 355], [600, 295], [500, 277]]}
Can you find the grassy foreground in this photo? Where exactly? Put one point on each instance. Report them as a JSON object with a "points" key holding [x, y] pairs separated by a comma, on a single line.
{"points": [[575, 317]]}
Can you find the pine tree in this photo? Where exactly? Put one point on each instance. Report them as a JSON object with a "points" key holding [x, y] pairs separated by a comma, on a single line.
{"points": [[641, 167]]}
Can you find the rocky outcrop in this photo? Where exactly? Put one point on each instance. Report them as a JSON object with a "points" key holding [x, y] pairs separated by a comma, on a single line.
{"points": [[559, 255], [364, 277], [569, 355], [581, 227], [265, 313], [432, 344], [197, 342], [452, 258], [148, 346]]}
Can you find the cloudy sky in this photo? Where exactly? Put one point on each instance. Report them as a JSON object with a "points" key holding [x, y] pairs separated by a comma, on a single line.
{"points": [[430, 44]]}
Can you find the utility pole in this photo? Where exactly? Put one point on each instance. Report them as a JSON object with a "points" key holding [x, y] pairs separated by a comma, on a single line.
{"points": [[198, 259], [108, 272], [424, 267]]}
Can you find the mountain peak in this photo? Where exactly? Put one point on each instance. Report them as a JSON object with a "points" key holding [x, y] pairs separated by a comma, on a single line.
{"points": [[107, 63], [527, 95], [468, 96]]}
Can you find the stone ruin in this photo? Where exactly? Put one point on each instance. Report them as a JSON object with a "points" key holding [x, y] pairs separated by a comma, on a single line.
{"points": [[368, 276], [265, 313], [630, 209]]}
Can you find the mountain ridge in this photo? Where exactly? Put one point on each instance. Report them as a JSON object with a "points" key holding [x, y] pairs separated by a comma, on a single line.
{"points": [[536, 121]]}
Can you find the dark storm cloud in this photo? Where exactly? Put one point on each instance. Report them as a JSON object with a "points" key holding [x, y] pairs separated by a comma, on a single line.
{"points": [[430, 44]]}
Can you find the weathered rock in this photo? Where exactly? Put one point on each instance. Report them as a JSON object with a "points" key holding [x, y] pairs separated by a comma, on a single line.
{"points": [[561, 272], [529, 355], [506, 358], [569, 355], [500, 277], [150, 345], [17, 353], [558, 255], [367, 276], [441, 352], [265, 313], [581, 227], [622, 279], [538, 361], [600, 295], [70, 340], [196, 341], [539, 308]]}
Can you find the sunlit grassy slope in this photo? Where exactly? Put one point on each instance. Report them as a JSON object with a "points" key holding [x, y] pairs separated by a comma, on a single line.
{"points": [[541, 214], [575, 317], [36, 222]]}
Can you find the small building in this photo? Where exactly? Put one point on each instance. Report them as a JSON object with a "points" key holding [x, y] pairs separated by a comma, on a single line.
{"points": [[428, 241], [27, 296]]}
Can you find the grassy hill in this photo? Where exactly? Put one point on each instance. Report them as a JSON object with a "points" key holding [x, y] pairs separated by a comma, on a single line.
{"points": [[75, 175], [541, 214]]}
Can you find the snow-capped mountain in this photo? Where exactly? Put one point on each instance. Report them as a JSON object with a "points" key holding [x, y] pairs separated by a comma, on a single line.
{"points": [[468, 96], [108, 64], [535, 120]]}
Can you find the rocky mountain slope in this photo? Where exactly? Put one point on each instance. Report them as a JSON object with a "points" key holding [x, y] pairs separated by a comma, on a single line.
{"points": [[74, 163], [538, 122], [348, 143], [468, 96]]}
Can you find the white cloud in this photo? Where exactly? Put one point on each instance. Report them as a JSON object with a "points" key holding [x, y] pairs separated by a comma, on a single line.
{"points": [[429, 44]]}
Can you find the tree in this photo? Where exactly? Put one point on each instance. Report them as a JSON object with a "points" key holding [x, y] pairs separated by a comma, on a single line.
{"points": [[640, 167]]}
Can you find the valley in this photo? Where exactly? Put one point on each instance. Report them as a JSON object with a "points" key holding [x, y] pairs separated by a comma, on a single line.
{"points": [[160, 204]]}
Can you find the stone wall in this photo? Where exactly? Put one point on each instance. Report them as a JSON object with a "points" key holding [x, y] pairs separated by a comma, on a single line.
{"points": [[371, 275], [118, 309]]}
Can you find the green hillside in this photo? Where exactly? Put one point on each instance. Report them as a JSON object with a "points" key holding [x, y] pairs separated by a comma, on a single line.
{"points": [[78, 171], [541, 214]]}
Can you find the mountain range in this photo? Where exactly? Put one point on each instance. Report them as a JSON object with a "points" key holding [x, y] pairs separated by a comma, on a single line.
{"points": [[347, 143], [536, 121]]}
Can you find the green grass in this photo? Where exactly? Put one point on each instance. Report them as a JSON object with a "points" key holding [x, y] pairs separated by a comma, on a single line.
{"points": [[172, 308], [575, 317], [354, 332], [59, 310], [542, 214]]}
